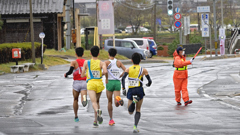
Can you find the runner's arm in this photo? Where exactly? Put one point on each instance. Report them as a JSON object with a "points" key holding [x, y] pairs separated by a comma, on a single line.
{"points": [[123, 68], [103, 65], [148, 77], [72, 65], [107, 63], [84, 69], [124, 77]]}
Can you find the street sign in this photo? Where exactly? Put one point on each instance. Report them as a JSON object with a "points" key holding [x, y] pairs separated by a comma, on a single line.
{"points": [[203, 9], [41, 35], [177, 24], [222, 38], [177, 10], [205, 22], [177, 16]]}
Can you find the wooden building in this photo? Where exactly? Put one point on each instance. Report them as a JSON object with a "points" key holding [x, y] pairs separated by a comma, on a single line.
{"points": [[48, 18]]}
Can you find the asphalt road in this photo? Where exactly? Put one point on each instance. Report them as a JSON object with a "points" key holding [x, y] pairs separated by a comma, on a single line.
{"points": [[41, 103]]}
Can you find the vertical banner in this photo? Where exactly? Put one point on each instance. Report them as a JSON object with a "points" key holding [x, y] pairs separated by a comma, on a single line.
{"points": [[189, 32], [186, 25], [222, 37], [105, 17]]}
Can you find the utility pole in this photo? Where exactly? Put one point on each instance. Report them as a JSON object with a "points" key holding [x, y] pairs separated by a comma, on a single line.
{"points": [[198, 20], [222, 11], [215, 26], [154, 24], [32, 32], [73, 16], [68, 20], [180, 30]]}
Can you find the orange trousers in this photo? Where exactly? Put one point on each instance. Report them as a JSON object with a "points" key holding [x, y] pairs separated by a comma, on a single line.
{"points": [[180, 85]]}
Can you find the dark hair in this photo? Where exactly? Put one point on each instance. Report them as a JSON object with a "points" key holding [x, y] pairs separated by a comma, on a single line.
{"points": [[136, 58], [79, 51], [112, 52], [95, 51]]}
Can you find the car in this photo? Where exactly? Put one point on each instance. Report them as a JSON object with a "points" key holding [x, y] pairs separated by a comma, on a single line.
{"points": [[128, 29], [153, 47], [142, 43], [125, 47], [118, 31]]}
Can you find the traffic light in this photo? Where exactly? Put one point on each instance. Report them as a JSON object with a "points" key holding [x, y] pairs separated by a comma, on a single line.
{"points": [[170, 7]]}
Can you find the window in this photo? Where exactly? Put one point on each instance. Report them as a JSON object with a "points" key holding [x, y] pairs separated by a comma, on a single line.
{"points": [[139, 42], [127, 44], [117, 43]]}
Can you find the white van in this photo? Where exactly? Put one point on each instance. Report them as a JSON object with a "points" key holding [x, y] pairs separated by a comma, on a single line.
{"points": [[142, 43]]}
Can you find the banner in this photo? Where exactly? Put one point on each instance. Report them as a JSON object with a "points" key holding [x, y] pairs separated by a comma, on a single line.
{"points": [[105, 17]]}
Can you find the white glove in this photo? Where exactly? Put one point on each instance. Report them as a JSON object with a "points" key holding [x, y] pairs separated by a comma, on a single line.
{"points": [[191, 60]]}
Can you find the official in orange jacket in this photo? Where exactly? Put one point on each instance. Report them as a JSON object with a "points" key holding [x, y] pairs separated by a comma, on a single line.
{"points": [[180, 77]]}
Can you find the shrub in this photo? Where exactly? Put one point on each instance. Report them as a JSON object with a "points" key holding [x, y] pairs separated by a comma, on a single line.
{"points": [[160, 48], [26, 51]]}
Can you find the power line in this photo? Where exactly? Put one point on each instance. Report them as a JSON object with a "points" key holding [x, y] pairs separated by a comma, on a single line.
{"points": [[137, 7]]}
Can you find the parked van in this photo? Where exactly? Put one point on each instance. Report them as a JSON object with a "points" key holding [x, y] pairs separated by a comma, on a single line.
{"points": [[142, 43], [125, 47]]}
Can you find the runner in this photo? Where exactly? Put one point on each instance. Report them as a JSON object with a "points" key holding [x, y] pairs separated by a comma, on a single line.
{"points": [[79, 83], [113, 82], [180, 77], [94, 82], [135, 85]]}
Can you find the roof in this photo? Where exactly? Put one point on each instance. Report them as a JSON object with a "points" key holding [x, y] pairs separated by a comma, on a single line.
{"points": [[38, 6]]}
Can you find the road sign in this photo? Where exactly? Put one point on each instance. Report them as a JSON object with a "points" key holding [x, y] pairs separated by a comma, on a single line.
{"points": [[177, 16], [41, 35], [203, 9], [177, 24], [177, 10], [205, 22]]}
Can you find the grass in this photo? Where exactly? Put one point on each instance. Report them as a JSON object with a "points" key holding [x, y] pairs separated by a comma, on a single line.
{"points": [[71, 52], [47, 60]]}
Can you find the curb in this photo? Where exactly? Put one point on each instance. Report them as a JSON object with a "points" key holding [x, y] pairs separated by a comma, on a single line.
{"points": [[222, 57]]}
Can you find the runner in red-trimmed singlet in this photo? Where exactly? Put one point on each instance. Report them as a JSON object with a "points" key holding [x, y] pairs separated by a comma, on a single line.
{"points": [[79, 83]]}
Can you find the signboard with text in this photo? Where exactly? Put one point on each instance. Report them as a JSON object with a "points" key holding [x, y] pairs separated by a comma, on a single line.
{"points": [[205, 22], [105, 17]]}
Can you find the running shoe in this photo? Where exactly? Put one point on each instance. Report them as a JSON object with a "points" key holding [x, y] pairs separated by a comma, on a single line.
{"points": [[84, 102], [179, 103], [111, 122], [135, 99], [76, 119], [119, 100], [188, 102], [95, 125], [135, 130], [99, 117]]}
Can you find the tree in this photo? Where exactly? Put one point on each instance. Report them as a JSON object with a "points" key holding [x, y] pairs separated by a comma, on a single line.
{"points": [[128, 16]]}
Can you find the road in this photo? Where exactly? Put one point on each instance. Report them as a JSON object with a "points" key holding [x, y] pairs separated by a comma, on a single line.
{"points": [[41, 103]]}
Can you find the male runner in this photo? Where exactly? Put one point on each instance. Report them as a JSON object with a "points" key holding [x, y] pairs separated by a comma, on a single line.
{"points": [[113, 82], [79, 83], [135, 83], [94, 82]]}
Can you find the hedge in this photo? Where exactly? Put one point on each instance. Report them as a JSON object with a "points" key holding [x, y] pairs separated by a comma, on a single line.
{"points": [[26, 51]]}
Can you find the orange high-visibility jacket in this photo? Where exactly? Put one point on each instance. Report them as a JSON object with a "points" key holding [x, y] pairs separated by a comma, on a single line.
{"points": [[179, 62]]}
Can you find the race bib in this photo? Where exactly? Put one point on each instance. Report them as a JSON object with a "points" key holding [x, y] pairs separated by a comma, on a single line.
{"points": [[115, 72], [96, 74], [134, 83]]}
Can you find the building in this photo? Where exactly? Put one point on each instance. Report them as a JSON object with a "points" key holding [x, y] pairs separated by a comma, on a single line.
{"points": [[48, 18]]}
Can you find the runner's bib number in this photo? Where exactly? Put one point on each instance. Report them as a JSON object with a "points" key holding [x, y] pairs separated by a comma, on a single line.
{"points": [[115, 72], [133, 83], [96, 74]]}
